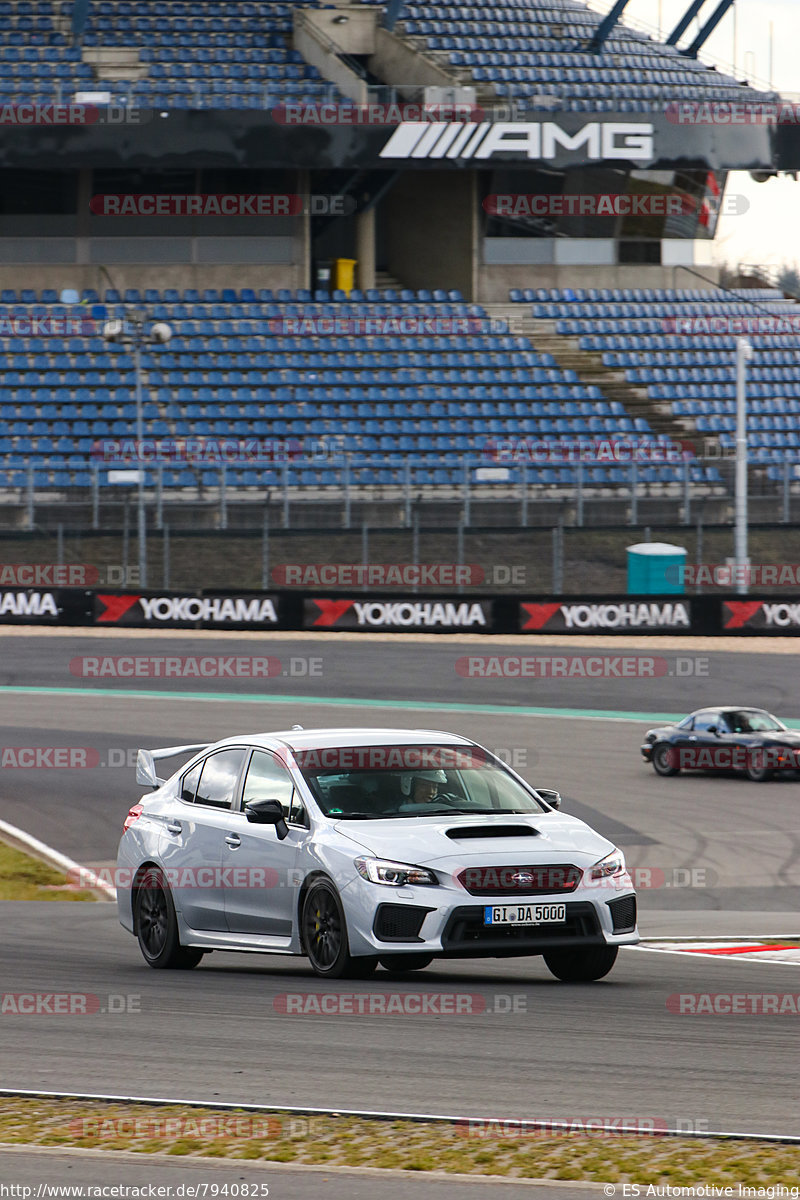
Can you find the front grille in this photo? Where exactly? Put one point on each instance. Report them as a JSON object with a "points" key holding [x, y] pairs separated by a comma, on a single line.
{"points": [[399, 922], [553, 879], [623, 914], [465, 933]]}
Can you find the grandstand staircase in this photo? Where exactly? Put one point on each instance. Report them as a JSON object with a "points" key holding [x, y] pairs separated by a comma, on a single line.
{"points": [[589, 367], [386, 282], [485, 94]]}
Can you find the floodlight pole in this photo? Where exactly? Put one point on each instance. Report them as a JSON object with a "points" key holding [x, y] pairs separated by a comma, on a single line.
{"points": [[131, 332], [744, 351], [140, 513]]}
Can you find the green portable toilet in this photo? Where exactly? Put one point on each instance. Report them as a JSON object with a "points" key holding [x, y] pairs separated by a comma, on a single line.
{"points": [[655, 569]]}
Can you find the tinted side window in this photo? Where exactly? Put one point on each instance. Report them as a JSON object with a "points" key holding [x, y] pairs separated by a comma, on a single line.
{"points": [[218, 778], [268, 779], [189, 783]]}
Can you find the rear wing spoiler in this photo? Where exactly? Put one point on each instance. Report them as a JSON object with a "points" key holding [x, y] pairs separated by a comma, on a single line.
{"points": [[146, 762]]}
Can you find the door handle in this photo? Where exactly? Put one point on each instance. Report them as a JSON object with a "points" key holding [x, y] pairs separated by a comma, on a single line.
{"points": [[233, 840], [174, 827]]}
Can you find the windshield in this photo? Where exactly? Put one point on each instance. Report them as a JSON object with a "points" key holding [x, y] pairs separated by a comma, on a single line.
{"points": [[751, 720], [374, 782]]}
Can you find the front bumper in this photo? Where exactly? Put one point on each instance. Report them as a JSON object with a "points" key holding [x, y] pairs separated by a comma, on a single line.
{"points": [[647, 751], [444, 921]]}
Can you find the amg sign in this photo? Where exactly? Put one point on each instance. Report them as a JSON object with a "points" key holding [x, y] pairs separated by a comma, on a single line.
{"points": [[597, 141]]}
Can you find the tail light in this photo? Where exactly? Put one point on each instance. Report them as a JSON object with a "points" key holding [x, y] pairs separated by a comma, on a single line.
{"points": [[133, 815]]}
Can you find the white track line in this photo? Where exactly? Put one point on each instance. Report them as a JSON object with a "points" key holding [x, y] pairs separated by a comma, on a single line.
{"points": [[380, 1115], [698, 954], [57, 860]]}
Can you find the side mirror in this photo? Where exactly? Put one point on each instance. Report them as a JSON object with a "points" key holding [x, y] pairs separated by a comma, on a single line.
{"points": [[550, 797], [146, 770], [713, 729], [267, 812]]}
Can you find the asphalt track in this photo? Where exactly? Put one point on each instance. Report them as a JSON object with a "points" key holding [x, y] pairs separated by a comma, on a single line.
{"points": [[610, 1051], [715, 844], [530, 1047], [34, 1168]]}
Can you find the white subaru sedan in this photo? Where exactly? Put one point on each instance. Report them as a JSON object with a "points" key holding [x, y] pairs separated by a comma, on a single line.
{"points": [[356, 847]]}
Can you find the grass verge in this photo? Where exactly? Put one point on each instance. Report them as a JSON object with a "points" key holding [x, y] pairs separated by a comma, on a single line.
{"points": [[26, 878], [406, 1145]]}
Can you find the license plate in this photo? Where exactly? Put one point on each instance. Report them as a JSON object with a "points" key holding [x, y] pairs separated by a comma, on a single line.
{"points": [[524, 914]]}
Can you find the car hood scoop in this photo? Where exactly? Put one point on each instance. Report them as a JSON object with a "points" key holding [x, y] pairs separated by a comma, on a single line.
{"points": [[464, 832]]}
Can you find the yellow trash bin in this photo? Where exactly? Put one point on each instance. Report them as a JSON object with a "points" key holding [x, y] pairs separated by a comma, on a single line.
{"points": [[344, 274]]}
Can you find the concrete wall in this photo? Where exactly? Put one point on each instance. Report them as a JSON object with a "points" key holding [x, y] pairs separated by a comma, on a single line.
{"points": [[356, 35], [155, 252], [159, 277], [496, 282], [438, 248]]}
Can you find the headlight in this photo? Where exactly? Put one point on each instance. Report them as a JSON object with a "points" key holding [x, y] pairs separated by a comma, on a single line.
{"points": [[393, 874], [612, 864]]}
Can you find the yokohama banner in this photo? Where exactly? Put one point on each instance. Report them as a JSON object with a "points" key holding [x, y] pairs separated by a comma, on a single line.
{"points": [[35, 606], [400, 614], [171, 610], [772, 614], [643, 614], [696, 615]]}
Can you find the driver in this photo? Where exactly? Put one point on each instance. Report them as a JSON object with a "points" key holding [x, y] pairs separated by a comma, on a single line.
{"points": [[423, 786]]}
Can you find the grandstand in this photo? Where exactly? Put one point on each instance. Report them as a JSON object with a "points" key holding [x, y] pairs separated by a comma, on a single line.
{"points": [[587, 356], [198, 54], [238, 54], [541, 50]]}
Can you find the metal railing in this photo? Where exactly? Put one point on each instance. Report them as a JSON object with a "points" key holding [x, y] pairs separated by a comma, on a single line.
{"points": [[720, 64], [347, 481]]}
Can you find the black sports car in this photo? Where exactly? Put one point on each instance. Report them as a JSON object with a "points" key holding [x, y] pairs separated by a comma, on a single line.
{"points": [[724, 739]]}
